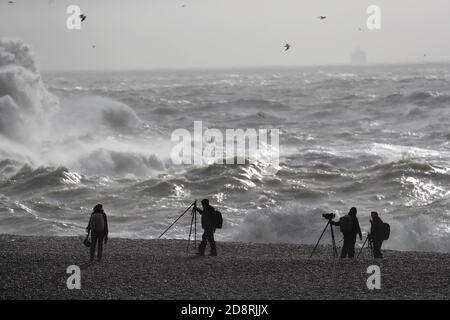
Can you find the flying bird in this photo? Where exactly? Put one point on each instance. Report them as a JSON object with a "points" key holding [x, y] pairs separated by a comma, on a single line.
{"points": [[82, 17], [11, 2], [322, 17], [287, 46]]}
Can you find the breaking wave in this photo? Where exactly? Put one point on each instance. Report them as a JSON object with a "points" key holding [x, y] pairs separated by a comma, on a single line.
{"points": [[92, 134]]}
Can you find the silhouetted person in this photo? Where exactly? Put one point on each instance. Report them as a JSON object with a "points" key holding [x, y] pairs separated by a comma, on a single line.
{"points": [[376, 234], [98, 226], [208, 226], [350, 230]]}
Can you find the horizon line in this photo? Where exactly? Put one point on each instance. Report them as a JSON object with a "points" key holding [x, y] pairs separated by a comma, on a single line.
{"points": [[212, 68]]}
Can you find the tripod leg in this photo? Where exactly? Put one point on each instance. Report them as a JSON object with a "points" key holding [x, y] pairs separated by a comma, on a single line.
{"points": [[195, 228], [360, 250], [333, 241], [190, 232], [320, 238]]}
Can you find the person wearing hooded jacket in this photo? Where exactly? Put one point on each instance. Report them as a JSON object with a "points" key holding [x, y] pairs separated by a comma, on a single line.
{"points": [[98, 227], [376, 234], [207, 212], [350, 236]]}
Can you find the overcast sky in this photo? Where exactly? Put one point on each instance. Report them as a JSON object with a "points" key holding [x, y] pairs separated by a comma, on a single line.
{"points": [[147, 34]]}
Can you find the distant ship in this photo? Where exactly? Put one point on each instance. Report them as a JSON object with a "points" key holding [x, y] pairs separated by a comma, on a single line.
{"points": [[358, 57]]}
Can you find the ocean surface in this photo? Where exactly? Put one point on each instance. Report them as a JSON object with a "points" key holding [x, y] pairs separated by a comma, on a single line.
{"points": [[374, 137]]}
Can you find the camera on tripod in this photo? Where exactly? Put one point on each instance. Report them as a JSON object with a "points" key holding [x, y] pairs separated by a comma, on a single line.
{"points": [[329, 216]]}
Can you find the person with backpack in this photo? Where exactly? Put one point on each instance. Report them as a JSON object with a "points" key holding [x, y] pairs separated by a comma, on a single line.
{"points": [[349, 226], [377, 234], [98, 227], [208, 220]]}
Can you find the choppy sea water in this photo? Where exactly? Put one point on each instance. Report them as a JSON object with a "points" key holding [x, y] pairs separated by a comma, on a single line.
{"points": [[374, 137]]}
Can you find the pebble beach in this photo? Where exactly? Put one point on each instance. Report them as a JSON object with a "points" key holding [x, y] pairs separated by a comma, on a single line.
{"points": [[34, 267]]}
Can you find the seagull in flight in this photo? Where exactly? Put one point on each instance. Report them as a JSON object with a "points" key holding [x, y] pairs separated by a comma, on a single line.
{"points": [[322, 17], [287, 47], [82, 17]]}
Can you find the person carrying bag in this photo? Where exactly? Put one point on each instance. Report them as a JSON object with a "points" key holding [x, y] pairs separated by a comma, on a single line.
{"points": [[98, 228]]}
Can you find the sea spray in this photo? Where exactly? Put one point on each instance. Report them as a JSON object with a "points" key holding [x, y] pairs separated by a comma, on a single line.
{"points": [[26, 107], [88, 133], [294, 223]]}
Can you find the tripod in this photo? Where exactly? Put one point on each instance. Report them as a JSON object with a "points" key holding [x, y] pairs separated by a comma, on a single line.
{"points": [[193, 224], [333, 241], [369, 245]]}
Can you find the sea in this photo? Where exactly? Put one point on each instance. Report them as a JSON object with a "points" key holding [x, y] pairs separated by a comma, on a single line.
{"points": [[375, 137]]}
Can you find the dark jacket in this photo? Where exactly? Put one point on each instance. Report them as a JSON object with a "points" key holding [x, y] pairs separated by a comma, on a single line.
{"points": [[356, 229], [105, 219], [207, 217], [376, 229]]}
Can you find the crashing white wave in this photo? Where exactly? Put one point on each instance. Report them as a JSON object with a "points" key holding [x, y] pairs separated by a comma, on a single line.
{"points": [[294, 223], [26, 107], [86, 133]]}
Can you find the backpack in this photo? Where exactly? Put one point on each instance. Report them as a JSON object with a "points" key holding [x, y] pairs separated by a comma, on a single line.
{"points": [[218, 220], [97, 222], [386, 231], [346, 224]]}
